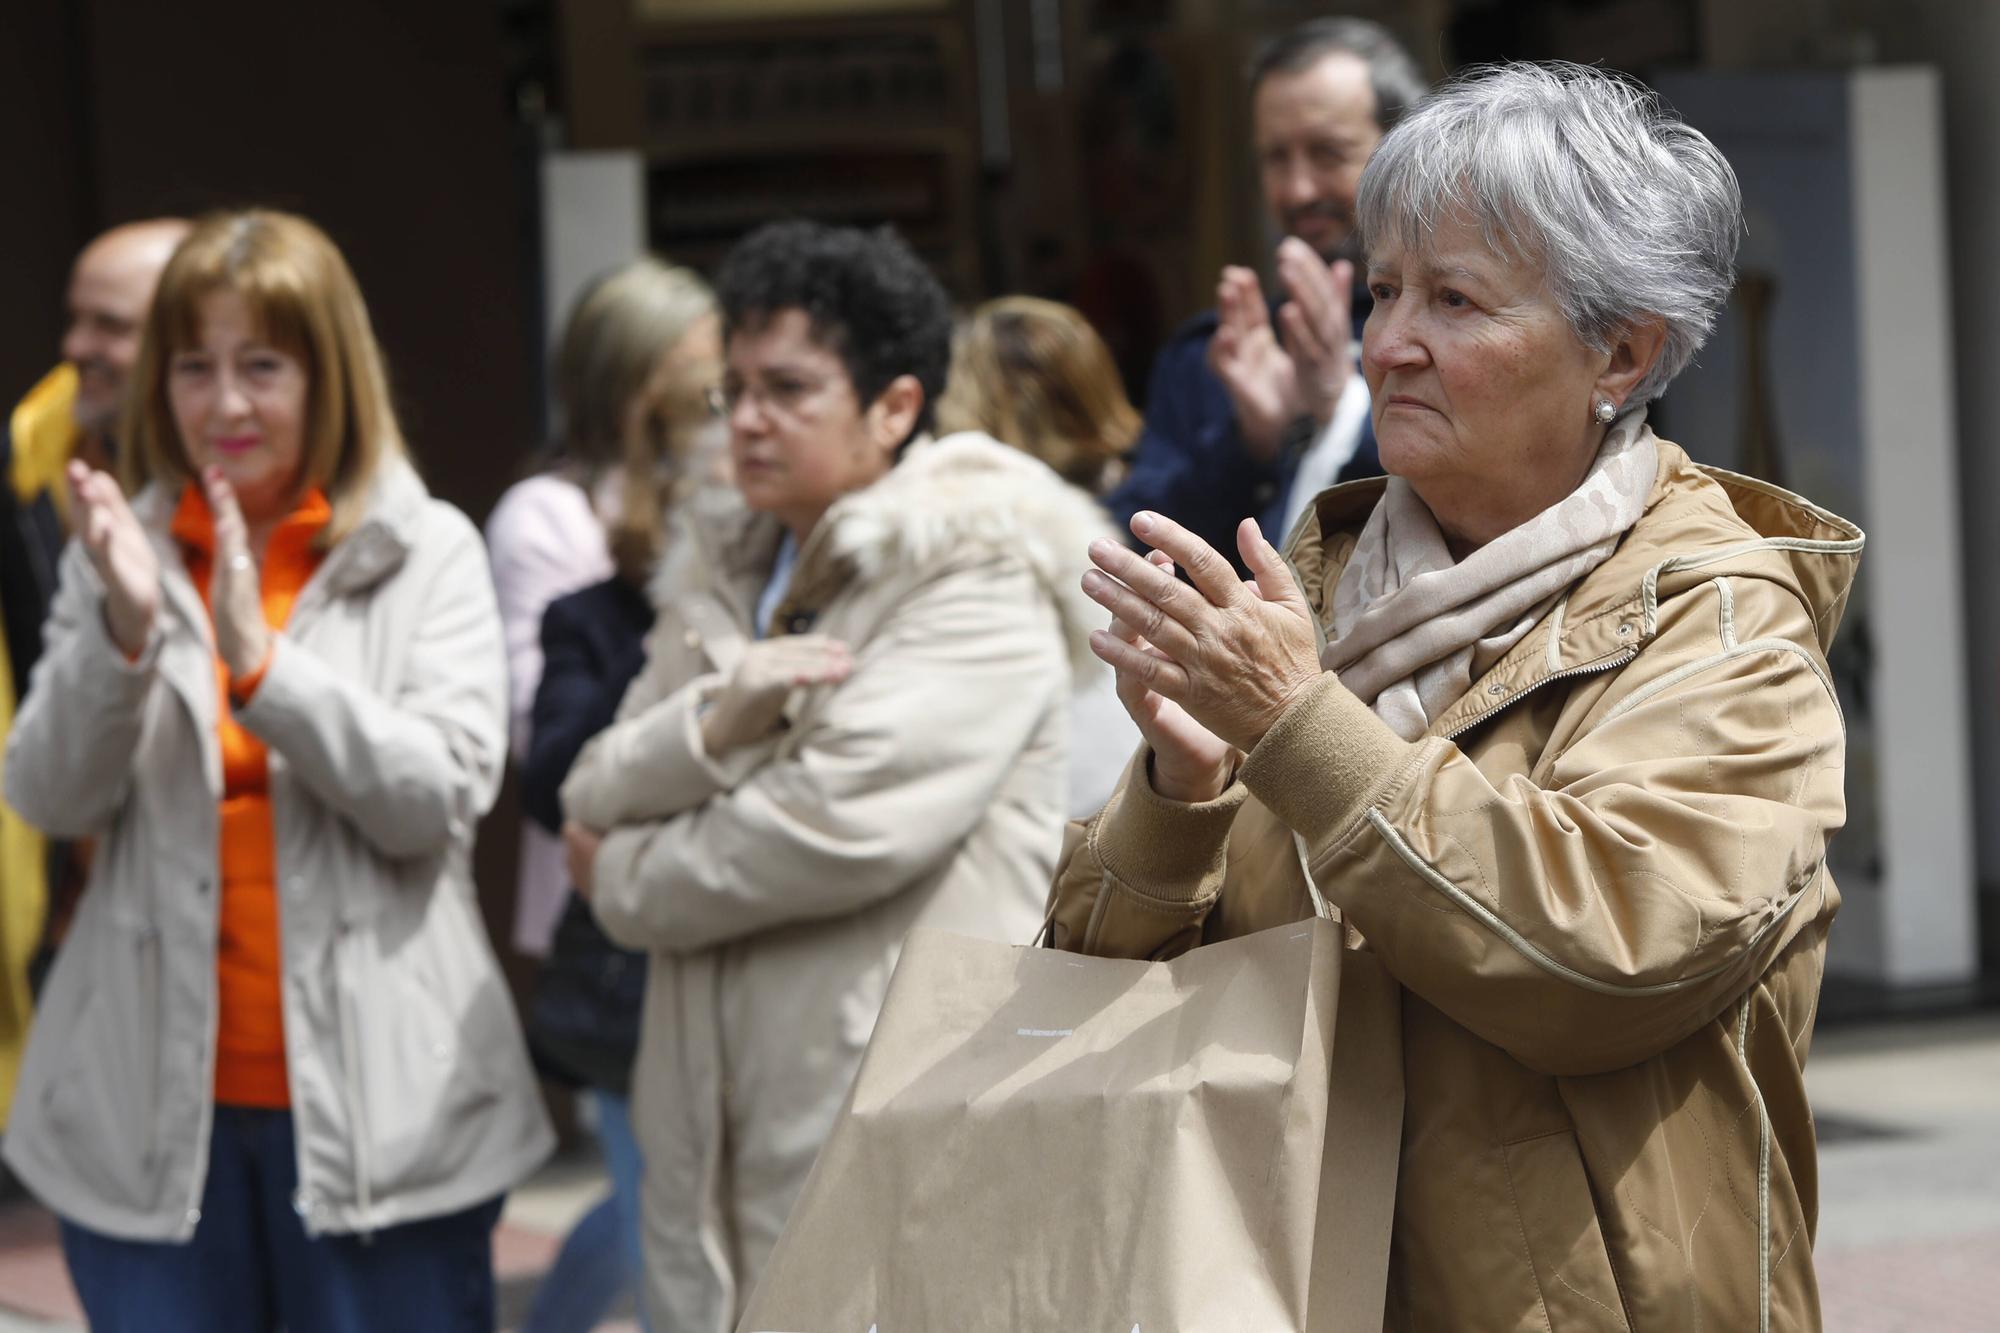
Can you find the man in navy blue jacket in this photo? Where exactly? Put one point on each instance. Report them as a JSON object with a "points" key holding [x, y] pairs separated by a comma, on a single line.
{"points": [[1257, 406]]}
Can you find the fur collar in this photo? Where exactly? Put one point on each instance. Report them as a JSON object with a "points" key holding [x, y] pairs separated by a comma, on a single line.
{"points": [[963, 490]]}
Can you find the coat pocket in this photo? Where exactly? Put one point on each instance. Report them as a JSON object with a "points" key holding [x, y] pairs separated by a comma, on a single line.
{"points": [[420, 1058], [102, 1104], [1558, 1219]]}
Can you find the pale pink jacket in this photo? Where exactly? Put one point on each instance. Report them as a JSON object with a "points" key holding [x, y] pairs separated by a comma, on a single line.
{"points": [[545, 540]]}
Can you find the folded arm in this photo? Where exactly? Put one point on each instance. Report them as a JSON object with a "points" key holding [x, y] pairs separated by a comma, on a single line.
{"points": [[888, 778]]}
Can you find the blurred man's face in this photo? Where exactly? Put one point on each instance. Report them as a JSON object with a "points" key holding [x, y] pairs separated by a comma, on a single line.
{"points": [[109, 291], [1315, 130]]}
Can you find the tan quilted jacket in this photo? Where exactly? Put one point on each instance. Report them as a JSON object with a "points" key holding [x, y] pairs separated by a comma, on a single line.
{"points": [[1600, 879]]}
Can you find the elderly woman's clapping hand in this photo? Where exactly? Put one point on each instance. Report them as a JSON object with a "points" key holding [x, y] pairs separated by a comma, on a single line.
{"points": [[1204, 670]]}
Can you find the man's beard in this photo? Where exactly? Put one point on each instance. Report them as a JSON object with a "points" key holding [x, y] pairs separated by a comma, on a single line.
{"points": [[1347, 247]]}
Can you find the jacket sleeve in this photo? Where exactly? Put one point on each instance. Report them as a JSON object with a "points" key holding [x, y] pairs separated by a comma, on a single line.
{"points": [[69, 753], [1584, 918], [413, 771], [1588, 917], [897, 768], [649, 764], [577, 699]]}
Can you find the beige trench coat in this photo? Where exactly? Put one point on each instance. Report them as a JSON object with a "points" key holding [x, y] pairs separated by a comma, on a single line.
{"points": [[774, 886], [385, 713], [1601, 879]]}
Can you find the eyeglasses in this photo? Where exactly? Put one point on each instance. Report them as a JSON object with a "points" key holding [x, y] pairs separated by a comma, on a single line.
{"points": [[780, 393]]}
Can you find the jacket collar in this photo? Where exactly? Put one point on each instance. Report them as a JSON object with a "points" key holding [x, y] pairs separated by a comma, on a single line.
{"points": [[372, 552], [1700, 523]]}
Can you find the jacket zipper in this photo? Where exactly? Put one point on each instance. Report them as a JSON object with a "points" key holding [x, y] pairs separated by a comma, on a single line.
{"points": [[1587, 669]]}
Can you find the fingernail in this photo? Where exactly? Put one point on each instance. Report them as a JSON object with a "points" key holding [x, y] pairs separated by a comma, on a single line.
{"points": [[1142, 523], [1093, 581]]}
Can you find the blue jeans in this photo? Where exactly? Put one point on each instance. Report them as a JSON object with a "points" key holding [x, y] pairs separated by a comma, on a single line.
{"points": [[601, 1259], [251, 1268]]}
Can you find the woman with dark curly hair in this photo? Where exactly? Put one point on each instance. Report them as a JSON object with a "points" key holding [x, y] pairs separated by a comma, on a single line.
{"points": [[852, 720]]}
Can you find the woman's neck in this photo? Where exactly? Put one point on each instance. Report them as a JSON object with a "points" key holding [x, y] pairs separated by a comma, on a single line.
{"points": [[1484, 508]]}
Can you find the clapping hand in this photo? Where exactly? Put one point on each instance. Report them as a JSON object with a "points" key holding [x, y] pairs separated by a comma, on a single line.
{"points": [[122, 555], [235, 596], [1204, 670], [1257, 373], [1318, 326]]}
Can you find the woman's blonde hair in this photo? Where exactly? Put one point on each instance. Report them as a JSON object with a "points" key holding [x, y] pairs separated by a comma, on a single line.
{"points": [[1034, 374], [616, 413], [302, 300]]}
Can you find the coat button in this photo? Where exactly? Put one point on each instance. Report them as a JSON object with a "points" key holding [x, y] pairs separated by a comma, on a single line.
{"points": [[194, 1217], [1496, 689], [692, 639], [1624, 629], [302, 1202]]}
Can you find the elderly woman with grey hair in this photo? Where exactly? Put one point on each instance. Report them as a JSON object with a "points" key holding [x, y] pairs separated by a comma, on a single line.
{"points": [[1546, 717]]}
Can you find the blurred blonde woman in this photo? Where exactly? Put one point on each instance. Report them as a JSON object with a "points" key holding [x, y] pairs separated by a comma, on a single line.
{"points": [[641, 339], [1035, 374], [275, 1080]]}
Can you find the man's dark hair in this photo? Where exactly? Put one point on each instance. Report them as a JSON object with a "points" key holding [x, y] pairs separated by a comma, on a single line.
{"points": [[870, 300], [1398, 83]]}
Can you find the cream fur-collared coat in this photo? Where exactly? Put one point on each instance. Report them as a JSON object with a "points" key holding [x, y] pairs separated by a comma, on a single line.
{"points": [[774, 885]]}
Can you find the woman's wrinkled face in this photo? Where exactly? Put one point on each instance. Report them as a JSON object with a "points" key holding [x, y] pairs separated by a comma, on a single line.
{"points": [[1482, 396], [240, 403], [799, 437]]}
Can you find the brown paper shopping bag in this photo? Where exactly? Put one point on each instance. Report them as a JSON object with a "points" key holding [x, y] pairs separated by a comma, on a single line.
{"points": [[1038, 1140]]}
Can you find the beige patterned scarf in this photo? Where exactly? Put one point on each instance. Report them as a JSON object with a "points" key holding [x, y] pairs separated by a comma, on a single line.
{"points": [[1412, 629]]}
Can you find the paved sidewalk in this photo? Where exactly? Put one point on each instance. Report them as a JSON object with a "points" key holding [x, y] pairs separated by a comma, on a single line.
{"points": [[36, 1297], [1909, 1234], [1909, 1238]]}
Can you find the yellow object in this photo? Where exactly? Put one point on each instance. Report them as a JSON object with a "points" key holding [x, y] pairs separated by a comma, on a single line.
{"points": [[23, 901], [43, 428], [44, 431]]}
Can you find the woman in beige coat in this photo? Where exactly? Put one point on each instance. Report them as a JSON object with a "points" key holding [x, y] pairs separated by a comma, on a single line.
{"points": [[852, 721], [275, 1079], [1547, 716]]}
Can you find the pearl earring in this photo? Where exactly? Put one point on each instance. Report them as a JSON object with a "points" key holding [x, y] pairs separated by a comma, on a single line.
{"points": [[1604, 411]]}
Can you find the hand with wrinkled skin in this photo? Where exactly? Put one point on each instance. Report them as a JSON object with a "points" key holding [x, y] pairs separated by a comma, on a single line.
{"points": [[235, 589], [580, 844], [1190, 763], [1255, 370], [1233, 659], [1319, 331], [747, 709], [121, 554]]}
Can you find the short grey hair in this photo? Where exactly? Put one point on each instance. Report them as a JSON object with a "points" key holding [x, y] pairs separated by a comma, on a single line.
{"points": [[1397, 82], [1630, 213]]}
